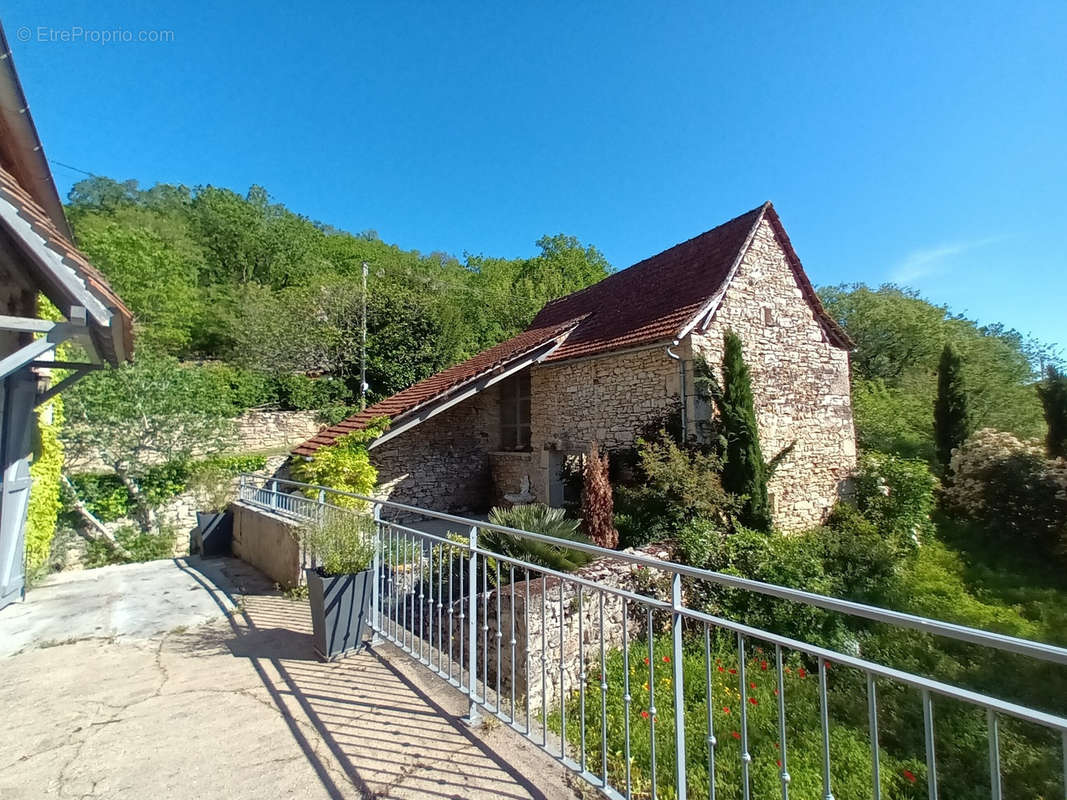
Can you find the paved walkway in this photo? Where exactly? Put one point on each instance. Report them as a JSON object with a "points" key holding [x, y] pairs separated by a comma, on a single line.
{"points": [[229, 703]]}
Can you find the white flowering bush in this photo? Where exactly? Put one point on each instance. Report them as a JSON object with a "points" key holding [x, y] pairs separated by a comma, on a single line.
{"points": [[896, 495], [1010, 485]]}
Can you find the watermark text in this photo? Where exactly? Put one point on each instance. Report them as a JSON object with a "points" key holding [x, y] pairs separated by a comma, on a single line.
{"points": [[78, 34]]}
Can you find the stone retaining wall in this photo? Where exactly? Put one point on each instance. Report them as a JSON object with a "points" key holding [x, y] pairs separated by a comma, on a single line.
{"points": [[564, 641]]}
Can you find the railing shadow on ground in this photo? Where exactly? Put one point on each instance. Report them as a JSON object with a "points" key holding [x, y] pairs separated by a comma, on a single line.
{"points": [[629, 645], [380, 727]]}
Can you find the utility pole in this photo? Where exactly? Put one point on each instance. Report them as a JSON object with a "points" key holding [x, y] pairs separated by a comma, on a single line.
{"points": [[363, 345]]}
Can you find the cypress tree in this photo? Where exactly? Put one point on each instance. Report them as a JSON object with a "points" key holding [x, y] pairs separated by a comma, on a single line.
{"points": [[1054, 399], [745, 473], [952, 414]]}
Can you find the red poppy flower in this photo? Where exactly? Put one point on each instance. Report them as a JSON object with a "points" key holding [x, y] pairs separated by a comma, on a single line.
{"points": [[721, 669], [909, 775], [802, 672], [735, 734], [726, 709], [775, 692], [646, 662], [752, 686], [763, 665], [754, 701], [666, 659], [778, 761], [733, 671], [644, 714]]}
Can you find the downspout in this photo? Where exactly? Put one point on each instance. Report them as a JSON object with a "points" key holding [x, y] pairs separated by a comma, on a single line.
{"points": [[681, 385]]}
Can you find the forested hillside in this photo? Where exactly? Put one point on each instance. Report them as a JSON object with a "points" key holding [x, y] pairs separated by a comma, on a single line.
{"points": [[215, 276]]}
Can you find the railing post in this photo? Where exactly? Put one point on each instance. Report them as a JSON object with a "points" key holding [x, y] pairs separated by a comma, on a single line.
{"points": [[241, 486], [473, 717], [678, 686], [322, 507], [274, 494], [376, 572]]}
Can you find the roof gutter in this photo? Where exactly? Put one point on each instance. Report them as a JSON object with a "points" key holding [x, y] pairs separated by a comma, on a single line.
{"points": [[30, 165], [681, 384]]}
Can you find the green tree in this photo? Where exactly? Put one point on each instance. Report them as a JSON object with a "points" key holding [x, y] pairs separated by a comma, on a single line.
{"points": [[745, 473], [899, 338], [952, 414], [1054, 399], [137, 416]]}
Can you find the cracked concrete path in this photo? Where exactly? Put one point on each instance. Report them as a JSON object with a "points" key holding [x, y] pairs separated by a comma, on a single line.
{"points": [[238, 706]]}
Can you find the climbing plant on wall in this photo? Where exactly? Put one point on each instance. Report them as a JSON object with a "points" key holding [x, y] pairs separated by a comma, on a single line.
{"points": [[45, 469]]}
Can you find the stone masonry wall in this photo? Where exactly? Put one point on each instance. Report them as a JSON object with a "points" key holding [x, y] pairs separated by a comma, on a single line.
{"points": [[800, 382], [610, 399], [255, 431], [443, 463], [555, 642]]}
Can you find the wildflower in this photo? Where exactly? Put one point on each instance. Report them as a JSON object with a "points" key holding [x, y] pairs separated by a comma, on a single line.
{"points": [[763, 665], [735, 734], [777, 746], [775, 692], [733, 671], [644, 714], [754, 701], [778, 761], [788, 671], [726, 709], [752, 686], [909, 775], [646, 686], [646, 662], [802, 673], [721, 669], [666, 659]]}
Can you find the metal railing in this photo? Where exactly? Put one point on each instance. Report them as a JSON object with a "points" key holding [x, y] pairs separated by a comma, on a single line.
{"points": [[529, 645]]}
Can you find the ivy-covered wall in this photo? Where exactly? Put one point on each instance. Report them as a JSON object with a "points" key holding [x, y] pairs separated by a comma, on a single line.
{"points": [[44, 504]]}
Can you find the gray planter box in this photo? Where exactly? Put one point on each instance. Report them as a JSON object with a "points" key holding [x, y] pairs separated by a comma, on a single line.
{"points": [[340, 606]]}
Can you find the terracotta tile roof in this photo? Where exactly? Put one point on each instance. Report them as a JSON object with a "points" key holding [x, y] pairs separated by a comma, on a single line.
{"points": [[29, 210], [653, 300], [441, 384], [650, 302]]}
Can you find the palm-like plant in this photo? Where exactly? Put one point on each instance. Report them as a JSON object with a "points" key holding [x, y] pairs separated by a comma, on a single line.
{"points": [[536, 518]]}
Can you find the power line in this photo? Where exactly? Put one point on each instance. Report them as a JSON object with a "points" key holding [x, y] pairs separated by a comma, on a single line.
{"points": [[76, 169]]}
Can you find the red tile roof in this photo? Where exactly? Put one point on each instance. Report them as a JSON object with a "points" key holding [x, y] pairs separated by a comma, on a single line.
{"points": [[42, 225], [650, 302], [439, 385]]}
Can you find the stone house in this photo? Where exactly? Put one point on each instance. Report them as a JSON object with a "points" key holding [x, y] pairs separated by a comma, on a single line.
{"points": [[604, 362]]}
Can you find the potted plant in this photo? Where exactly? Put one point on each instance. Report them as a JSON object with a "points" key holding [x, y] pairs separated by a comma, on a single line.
{"points": [[213, 489], [339, 586]]}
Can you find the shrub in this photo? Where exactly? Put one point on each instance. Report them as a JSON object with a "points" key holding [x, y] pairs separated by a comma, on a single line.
{"points": [[597, 507], [896, 494], [1019, 494], [136, 545], [344, 465], [300, 393], [341, 544], [536, 518]]}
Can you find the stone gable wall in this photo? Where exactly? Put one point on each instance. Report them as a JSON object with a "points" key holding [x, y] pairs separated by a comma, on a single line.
{"points": [[800, 382]]}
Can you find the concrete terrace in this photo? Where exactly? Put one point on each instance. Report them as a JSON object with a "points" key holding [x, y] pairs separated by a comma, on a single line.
{"points": [[196, 679]]}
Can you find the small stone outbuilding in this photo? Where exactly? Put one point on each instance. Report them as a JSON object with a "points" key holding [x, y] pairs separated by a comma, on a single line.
{"points": [[605, 362]]}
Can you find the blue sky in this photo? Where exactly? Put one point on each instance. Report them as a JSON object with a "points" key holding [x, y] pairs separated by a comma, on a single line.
{"points": [[916, 142]]}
